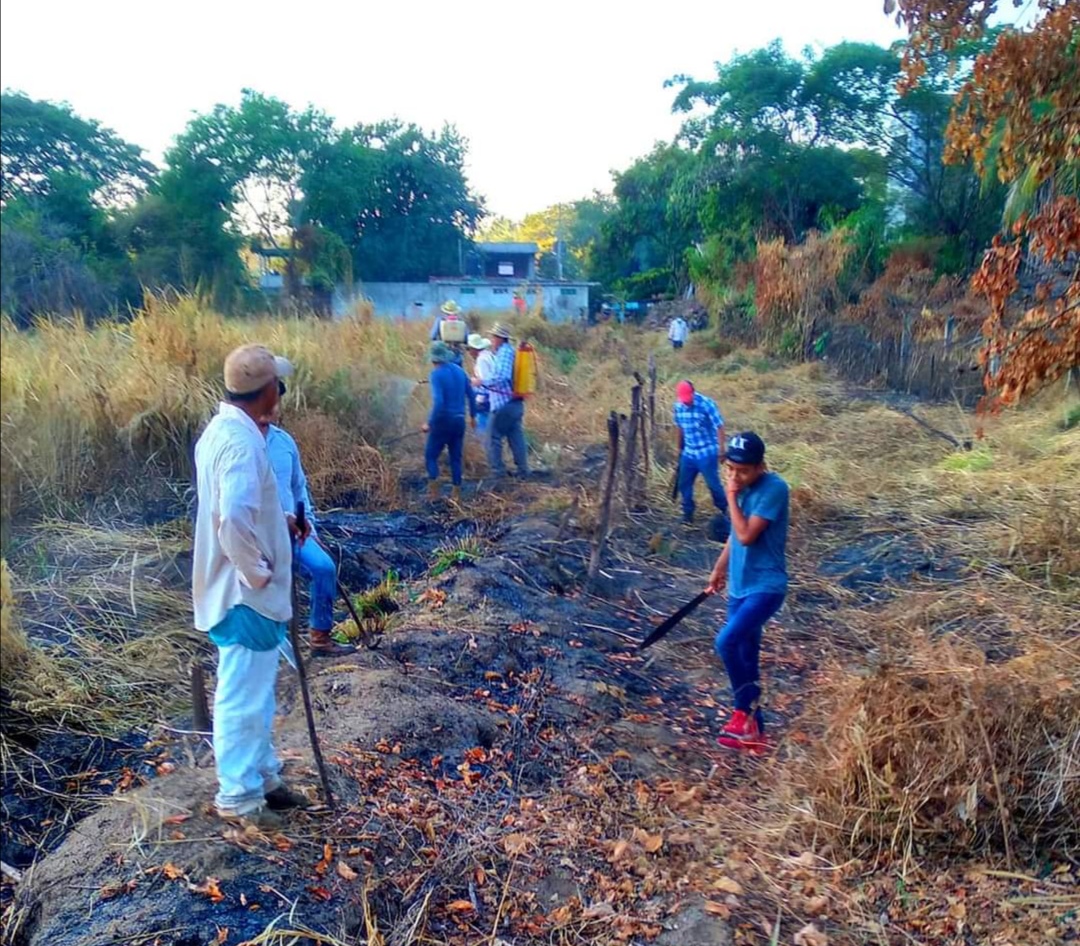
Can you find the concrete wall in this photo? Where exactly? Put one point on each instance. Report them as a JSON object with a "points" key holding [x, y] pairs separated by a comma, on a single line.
{"points": [[562, 302]]}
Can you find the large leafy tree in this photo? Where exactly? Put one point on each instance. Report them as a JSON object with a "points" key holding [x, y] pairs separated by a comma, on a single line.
{"points": [[1018, 118], [643, 241], [41, 142], [397, 197], [63, 178]]}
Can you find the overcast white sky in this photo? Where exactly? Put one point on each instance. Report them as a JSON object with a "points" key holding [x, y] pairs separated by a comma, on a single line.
{"points": [[551, 95]]}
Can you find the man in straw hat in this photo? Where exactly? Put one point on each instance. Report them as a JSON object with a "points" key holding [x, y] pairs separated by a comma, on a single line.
{"points": [[241, 580], [451, 395], [452, 312], [507, 411]]}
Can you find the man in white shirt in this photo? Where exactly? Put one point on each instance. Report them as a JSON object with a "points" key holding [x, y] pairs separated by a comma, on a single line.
{"points": [[678, 332], [241, 583], [483, 370]]}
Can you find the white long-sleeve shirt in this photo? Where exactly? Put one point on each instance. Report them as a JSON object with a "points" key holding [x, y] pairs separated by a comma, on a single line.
{"points": [[292, 483], [678, 330], [485, 366], [243, 554]]}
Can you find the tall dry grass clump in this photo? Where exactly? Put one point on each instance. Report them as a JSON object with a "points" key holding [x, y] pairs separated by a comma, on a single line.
{"points": [[945, 754], [85, 406]]}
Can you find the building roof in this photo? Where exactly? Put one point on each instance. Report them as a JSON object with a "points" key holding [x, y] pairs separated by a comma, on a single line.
{"points": [[530, 248]]}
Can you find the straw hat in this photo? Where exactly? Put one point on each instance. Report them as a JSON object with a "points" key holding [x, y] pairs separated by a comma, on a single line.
{"points": [[477, 342], [451, 308], [498, 330]]}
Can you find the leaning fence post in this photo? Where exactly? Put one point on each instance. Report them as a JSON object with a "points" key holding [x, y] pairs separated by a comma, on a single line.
{"points": [[604, 523]]}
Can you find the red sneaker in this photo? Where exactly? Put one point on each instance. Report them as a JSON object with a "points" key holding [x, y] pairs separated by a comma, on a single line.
{"points": [[743, 733], [737, 723]]}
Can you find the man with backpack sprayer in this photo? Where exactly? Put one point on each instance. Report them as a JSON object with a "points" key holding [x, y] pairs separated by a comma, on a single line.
{"points": [[754, 567], [510, 384], [451, 328]]}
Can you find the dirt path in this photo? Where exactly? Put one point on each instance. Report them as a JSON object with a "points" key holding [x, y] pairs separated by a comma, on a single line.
{"points": [[509, 766]]}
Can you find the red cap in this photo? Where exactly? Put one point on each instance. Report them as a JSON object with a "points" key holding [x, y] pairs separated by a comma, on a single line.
{"points": [[684, 391]]}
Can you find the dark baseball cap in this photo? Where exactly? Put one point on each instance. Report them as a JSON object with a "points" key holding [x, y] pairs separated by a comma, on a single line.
{"points": [[746, 448]]}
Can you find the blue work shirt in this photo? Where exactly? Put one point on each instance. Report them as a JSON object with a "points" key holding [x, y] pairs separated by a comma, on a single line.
{"points": [[451, 392]]}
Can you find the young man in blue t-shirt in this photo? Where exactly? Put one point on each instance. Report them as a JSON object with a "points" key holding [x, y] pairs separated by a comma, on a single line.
{"points": [[754, 566]]}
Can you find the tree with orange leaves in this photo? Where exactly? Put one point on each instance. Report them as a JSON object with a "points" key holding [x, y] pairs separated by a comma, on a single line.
{"points": [[1018, 118]]}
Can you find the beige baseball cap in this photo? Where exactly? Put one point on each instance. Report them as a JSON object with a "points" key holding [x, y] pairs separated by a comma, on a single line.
{"points": [[251, 367]]}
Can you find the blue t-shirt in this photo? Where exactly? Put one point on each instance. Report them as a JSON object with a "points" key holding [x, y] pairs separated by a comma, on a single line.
{"points": [[761, 568], [451, 393]]}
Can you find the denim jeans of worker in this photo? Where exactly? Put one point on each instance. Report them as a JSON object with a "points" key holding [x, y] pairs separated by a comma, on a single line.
{"points": [[709, 468], [321, 572], [483, 419], [738, 644], [448, 432], [508, 422], [247, 766]]}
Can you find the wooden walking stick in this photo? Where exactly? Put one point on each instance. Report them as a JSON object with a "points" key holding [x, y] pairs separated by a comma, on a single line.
{"points": [[294, 639]]}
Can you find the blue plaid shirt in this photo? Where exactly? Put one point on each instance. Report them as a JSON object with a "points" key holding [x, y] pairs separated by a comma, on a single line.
{"points": [[699, 423], [501, 384]]}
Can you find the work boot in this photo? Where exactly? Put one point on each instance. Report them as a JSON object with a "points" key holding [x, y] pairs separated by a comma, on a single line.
{"points": [[282, 798], [455, 494], [434, 493], [261, 818], [323, 645]]}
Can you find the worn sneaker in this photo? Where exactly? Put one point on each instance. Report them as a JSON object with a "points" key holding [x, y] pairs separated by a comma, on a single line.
{"points": [[743, 733], [283, 798], [737, 723], [261, 818]]}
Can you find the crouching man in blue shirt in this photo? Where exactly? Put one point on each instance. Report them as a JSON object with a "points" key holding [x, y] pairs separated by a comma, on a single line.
{"points": [[754, 566], [315, 563]]}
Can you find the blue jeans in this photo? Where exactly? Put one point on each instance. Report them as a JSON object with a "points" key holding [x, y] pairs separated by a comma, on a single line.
{"points": [[321, 572], [482, 419], [508, 422], [708, 467], [448, 432], [738, 644]]}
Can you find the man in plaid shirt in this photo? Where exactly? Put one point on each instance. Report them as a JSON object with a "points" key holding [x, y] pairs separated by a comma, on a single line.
{"points": [[507, 411], [701, 446]]}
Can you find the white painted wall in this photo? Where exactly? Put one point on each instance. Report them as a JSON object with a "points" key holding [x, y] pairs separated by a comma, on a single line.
{"points": [[562, 302]]}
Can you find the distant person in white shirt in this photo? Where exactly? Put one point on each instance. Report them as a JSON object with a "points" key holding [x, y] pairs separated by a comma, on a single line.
{"points": [[241, 583], [483, 370], [678, 332]]}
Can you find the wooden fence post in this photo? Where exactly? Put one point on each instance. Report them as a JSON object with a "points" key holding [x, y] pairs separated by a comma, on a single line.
{"points": [[643, 426], [652, 396], [200, 709], [604, 523], [630, 465]]}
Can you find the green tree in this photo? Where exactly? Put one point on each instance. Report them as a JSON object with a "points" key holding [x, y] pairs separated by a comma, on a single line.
{"points": [[40, 142], [397, 198]]}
